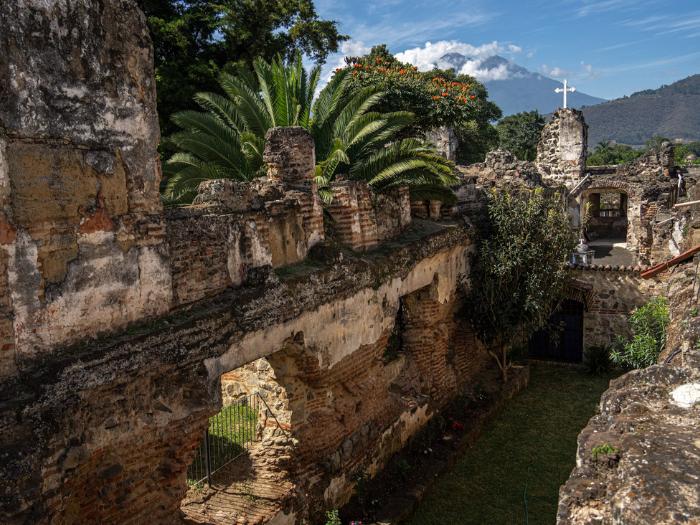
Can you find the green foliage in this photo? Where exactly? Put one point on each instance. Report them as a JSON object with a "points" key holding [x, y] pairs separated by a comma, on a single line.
{"points": [[476, 138], [524, 251], [194, 40], [596, 359], [351, 138], [648, 324], [603, 450], [683, 151], [333, 518], [436, 98], [520, 134], [606, 153]]}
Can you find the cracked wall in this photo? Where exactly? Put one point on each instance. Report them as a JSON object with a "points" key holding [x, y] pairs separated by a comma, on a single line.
{"points": [[83, 244]]}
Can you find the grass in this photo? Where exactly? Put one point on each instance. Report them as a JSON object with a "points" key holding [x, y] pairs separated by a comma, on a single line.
{"points": [[524, 454], [229, 431]]}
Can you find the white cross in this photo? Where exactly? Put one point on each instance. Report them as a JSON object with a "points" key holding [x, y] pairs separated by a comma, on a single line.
{"points": [[565, 90]]}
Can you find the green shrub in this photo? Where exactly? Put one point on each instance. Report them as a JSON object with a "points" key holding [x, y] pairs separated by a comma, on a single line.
{"points": [[597, 359], [603, 450], [648, 324], [333, 518]]}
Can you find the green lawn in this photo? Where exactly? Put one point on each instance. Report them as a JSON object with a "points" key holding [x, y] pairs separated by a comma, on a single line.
{"points": [[529, 448]]}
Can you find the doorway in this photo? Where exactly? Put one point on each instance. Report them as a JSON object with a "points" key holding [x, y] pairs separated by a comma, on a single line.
{"points": [[562, 338]]}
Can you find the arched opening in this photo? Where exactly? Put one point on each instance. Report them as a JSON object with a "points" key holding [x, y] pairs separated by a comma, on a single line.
{"points": [[562, 338], [240, 471], [607, 216], [609, 223]]}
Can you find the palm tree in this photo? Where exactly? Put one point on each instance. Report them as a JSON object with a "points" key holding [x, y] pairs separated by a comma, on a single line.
{"points": [[352, 140]]}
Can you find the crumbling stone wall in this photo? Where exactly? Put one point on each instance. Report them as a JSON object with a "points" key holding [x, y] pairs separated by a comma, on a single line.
{"points": [[612, 295], [79, 175], [235, 228], [503, 169], [649, 199], [649, 417], [561, 151]]}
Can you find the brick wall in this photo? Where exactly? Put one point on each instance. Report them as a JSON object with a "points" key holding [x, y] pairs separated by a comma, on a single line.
{"points": [[362, 219], [349, 418]]}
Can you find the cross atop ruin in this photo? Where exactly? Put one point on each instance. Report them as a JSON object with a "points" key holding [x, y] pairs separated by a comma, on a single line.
{"points": [[565, 90]]}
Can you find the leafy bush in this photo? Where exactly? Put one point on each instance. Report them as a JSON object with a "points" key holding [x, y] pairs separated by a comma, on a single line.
{"points": [[648, 324], [520, 134], [606, 153], [333, 518], [597, 359]]}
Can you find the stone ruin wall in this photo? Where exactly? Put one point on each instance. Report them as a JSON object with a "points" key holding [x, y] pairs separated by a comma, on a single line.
{"points": [[79, 176], [101, 428], [650, 418], [561, 151], [101, 415], [611, 294], [445, 141]]}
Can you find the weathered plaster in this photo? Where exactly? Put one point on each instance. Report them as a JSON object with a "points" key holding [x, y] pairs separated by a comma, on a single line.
{"points": [[338, 328]]}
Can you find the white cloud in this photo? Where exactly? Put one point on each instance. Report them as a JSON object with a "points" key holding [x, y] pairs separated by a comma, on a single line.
{"points": [[429, 56], [474, 69], [555, 71]]}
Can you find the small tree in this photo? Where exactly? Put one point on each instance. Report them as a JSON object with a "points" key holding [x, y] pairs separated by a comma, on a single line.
{"points": [[520, 134], [519, 270]]}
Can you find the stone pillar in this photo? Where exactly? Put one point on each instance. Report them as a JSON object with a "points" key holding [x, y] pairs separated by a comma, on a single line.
{"points": [[290, 156], [82, 245], [445, 141], [434, 209], [561, 152]]}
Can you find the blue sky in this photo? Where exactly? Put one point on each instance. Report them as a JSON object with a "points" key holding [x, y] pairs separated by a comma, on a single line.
{"points": [[606, 48]]}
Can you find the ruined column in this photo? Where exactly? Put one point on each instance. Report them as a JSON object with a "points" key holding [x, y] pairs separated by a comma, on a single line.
{"points": [[81, 230], [561, 152], [445, 141], [290, 157]]}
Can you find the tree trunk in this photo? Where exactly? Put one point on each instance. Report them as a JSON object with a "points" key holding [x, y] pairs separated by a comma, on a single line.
{"points": [[506, 365], [501, 358]]}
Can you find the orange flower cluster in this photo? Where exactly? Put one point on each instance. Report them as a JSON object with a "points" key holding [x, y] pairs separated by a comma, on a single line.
{"points": [[453, 89], [442, 89]]}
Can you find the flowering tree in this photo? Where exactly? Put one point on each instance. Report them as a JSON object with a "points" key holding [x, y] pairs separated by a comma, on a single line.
{"points": [[436, 98]]}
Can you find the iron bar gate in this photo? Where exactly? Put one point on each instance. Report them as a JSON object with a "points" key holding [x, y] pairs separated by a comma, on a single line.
{"points": [[230, 433]]}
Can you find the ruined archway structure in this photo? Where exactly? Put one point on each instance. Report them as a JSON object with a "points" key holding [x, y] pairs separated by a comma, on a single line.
{"points": [[118, 318]]}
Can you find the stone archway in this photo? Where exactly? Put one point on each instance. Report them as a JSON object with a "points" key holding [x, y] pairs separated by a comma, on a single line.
{"points": [[614, 219], [256, 485]]}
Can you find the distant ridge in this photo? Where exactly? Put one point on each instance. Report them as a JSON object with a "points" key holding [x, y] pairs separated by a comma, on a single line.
{"points": [[671, 111], [515, 88]]}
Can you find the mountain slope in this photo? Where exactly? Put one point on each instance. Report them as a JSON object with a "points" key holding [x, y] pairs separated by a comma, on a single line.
{"points": [[513, 87], [671, 111]]}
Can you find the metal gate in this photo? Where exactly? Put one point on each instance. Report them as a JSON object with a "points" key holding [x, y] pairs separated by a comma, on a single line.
{"points": [[230, 434], [562, 338]]}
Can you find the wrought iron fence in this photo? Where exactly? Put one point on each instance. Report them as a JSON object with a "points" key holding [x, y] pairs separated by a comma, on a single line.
{"points": [[230, 434]]}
